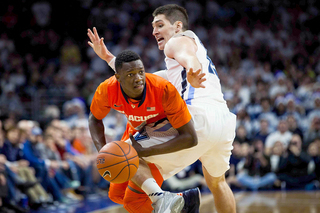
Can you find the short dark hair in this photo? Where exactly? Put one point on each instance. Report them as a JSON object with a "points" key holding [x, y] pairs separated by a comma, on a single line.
{"points": [[125, 56], [173, 13]]}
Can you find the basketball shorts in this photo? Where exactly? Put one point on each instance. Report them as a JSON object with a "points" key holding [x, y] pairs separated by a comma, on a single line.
{"points": [[215, 126]]}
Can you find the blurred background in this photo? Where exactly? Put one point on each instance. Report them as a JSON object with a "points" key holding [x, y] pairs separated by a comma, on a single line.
{"points": [[266, 54]]}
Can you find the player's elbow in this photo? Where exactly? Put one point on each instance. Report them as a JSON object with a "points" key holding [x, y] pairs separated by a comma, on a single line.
{"points": [[93, 121], [191, 140]]}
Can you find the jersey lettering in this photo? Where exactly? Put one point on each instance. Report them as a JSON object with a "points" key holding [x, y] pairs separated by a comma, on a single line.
{"points": [[141, 118], [212, 68]]}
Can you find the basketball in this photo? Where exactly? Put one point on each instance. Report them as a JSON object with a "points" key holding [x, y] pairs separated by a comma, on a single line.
{"points": [[117, 162]]}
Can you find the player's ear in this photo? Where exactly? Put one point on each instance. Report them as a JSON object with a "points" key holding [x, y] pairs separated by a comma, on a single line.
{"points": [[117, 76], [179, 26]]}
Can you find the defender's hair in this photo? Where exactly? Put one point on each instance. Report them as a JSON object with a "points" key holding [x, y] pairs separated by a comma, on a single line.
{"points": [[173, 13], [125, 56]]}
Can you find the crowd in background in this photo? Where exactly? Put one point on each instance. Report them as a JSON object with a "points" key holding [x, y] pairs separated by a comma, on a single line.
{"points": [[266, 54]]}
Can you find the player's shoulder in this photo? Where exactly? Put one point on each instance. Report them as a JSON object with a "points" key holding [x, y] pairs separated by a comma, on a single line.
{"points": [[159, 85], [109, 86], [177, 42], [156, 81], [109, 82], [182, 37]]}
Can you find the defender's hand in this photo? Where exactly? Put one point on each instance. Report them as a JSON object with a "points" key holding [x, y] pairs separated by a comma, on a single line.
{"points": [[98, 45], [136, 146], [196, 78]]}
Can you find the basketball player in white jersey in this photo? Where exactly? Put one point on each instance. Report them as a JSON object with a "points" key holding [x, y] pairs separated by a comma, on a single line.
{"points": [[214, 123]]}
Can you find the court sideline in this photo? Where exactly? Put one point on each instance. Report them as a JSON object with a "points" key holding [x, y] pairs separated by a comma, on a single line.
{"points": [[253, 202]]}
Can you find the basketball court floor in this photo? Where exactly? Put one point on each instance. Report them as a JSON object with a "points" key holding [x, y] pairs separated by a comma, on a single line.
{"points": [[247, 202], [257, 202]]}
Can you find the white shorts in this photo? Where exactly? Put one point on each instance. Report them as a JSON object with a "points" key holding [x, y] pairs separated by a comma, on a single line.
{"points": [[215, 127]]}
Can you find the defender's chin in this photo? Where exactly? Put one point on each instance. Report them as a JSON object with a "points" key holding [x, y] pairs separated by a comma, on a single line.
{"points": [[161, 47]]}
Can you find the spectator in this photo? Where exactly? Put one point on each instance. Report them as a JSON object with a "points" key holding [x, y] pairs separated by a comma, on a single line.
{"points": [[243, 119], [10, 101], [70, 53], [74, 111], [279, 87], [256, 172], [315, 111], [292, 106], [42, 13], [18, 170], [313, 132], [314, 152], [293, 126], [264, 130], [45, 169], [276, 153], [283, 135], [241, 135], [280, 107], [235, 159], [3, 184], [82, 164], [293, 168], [268, 114]]}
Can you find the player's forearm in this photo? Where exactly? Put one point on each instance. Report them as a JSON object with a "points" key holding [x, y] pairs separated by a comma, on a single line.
{"points": [[176, 144], [192, 62], [186, 138], [96, 128]]}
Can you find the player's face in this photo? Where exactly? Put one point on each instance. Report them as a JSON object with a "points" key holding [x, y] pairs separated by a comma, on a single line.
{"points": [[163, 30], [132, 78]]}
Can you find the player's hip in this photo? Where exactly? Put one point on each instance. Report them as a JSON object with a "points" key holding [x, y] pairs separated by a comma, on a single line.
{"points": [[211, 120]]}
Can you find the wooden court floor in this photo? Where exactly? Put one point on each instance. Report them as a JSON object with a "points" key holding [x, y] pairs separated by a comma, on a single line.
{"points": [[258, 202]]}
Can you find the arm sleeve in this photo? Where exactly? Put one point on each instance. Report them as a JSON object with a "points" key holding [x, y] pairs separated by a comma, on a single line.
{"points": [[100, 104], [175, 107]]}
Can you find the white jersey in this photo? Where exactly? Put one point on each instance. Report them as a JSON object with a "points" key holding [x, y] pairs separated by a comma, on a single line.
{"points": [[177, 75]]}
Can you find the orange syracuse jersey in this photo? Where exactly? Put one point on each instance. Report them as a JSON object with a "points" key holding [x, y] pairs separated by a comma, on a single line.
{"points": [[160, 100]]}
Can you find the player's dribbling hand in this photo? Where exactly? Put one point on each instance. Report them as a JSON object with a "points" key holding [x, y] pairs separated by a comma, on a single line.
{"points": [[98, 45], [196, 78], [136, 145]]}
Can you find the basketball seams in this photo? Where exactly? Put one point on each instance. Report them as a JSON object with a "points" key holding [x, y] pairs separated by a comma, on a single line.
{"points": [[122, 148], [123, 169], [111, 154], [125, 155], [120, 173]]}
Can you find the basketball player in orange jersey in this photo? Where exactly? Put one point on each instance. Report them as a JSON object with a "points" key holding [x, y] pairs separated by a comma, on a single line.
{"points": [[214, 123], [145, 99]]}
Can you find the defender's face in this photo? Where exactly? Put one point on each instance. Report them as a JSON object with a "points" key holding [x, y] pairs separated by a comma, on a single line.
{"points": [[132, 78], [163, 30]]}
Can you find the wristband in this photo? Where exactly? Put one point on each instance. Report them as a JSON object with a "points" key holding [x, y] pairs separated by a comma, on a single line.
{"points": [[112, 62]]}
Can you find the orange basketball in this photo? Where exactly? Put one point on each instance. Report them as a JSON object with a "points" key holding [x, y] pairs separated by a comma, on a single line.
{"points": [[117, 162]]}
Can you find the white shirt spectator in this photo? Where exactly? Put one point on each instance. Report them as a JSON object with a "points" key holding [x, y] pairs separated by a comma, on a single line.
{"points": [[284, 138]]}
